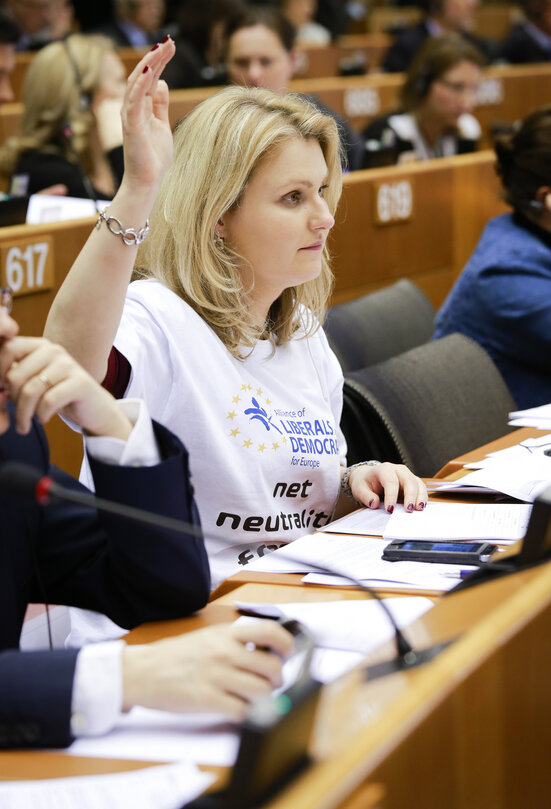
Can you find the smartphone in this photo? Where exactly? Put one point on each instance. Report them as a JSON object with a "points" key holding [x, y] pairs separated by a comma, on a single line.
{"points": [[450, 552]]}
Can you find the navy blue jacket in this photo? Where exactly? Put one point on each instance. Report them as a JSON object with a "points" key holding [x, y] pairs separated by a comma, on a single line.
{"points": [[69, 554], [502, 299]]}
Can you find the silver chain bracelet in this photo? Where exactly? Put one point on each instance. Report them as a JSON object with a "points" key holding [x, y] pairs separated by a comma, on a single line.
{"points": [[345, 485], [128, 235]]}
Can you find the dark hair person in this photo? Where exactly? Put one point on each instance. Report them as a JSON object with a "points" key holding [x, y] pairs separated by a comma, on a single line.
{"points": [[436, 100], [502, 298]]}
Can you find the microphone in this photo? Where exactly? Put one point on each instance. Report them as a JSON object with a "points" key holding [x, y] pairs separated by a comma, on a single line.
{"points": [[66, 133], [24, 479]]}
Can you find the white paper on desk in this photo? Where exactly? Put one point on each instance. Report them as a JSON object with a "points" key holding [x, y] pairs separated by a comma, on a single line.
{"points": [[501, 522], [359, 558], [519, 453], [363, 522], [407, 577], [148, 735], [163, 787], [524, 479], [539, 417], [51, 208], [353, 626], [322, 550]]}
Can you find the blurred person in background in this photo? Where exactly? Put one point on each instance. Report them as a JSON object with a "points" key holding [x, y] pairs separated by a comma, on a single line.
{"points": [[302, 16], [70, 131], [434, 119], [40, 21], [502, 299], [135, 23], [260, 52], [441, 17], [200, 36], [529, 40]]}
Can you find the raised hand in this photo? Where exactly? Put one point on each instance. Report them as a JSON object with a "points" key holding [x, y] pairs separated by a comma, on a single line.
{"points": [[146, 128]]}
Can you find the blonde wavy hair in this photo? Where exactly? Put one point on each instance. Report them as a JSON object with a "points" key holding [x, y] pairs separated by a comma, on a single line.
{"points": [[57, 85], [218, 147]]}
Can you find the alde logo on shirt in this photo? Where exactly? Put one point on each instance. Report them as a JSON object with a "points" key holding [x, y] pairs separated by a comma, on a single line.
{"points": [[262, 428]]}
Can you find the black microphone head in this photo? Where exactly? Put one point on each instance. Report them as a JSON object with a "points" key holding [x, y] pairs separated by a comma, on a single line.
{"points": [[20, 478]]}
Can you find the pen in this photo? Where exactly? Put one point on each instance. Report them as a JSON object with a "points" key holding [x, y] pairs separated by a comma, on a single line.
{"points": [[460, 574]]}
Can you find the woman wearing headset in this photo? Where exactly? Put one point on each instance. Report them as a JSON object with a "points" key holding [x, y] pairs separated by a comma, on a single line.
{"points": [[71, 131], [434, 119]]}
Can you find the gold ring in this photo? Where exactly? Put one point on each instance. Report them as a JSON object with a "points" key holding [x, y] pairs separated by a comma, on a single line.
{"points": [[44, 379]]}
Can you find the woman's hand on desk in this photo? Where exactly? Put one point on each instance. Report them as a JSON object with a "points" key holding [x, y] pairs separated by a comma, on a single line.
{"points": [[219, 669], [369, 483]]}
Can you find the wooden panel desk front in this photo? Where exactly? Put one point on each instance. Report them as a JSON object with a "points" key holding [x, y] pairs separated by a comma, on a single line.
{"points": [[419, 221], [508, 92], [20, 268]]}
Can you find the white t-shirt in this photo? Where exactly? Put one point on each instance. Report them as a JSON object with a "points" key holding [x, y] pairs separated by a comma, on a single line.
{"points": [[262, 432]]}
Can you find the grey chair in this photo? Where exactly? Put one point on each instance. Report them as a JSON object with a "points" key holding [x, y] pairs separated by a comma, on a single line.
{"points": [[425, 406], [380, 325]]}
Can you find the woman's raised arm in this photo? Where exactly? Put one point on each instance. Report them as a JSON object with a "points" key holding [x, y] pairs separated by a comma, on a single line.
{"points": [[87, 309]]}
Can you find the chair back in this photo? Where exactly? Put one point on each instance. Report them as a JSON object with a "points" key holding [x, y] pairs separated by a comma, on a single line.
{"points": [[380, 325], [425, 406]]}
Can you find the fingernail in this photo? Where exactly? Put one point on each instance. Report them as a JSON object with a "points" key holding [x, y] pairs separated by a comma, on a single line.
{"points": [[421, 506], [155, 46], [370, 504], [409, 507], [146, 68], [390, 509], [166, 38]]}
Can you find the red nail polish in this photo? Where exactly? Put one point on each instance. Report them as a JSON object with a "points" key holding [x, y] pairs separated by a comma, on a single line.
{"points": [[421, 506], [166, 38], [146, 68], [370, 504], [390, 509], [155, 46], [409, 507]]}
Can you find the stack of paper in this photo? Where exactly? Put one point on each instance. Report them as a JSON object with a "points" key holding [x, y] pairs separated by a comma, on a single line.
{"points": [[539, 417]]}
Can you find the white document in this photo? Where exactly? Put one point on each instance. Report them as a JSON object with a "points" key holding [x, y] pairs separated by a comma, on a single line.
{"points": [[51, 208], [402, 576], [501, 522], [164, 787], [356, 559], [364, 521], [340, 553], [519, 453], [352, 626], [148, 735], [524, 479], [539, 417]]}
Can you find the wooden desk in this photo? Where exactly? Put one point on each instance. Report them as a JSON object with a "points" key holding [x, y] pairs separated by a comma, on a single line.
{"points": [[468, 730], [507, 93]]}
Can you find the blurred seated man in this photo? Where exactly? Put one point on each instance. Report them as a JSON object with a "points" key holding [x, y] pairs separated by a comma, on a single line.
{"points": [[530, 40], [40, 21], [441, 17], [67, 553], [135, 23]]}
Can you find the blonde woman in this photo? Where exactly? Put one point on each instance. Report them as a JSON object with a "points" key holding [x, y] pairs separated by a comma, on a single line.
{"points": [[70, 131], [221, 333]]}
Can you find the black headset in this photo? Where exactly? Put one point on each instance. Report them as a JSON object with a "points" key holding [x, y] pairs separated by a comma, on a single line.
{"points": [[84, 96]]}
